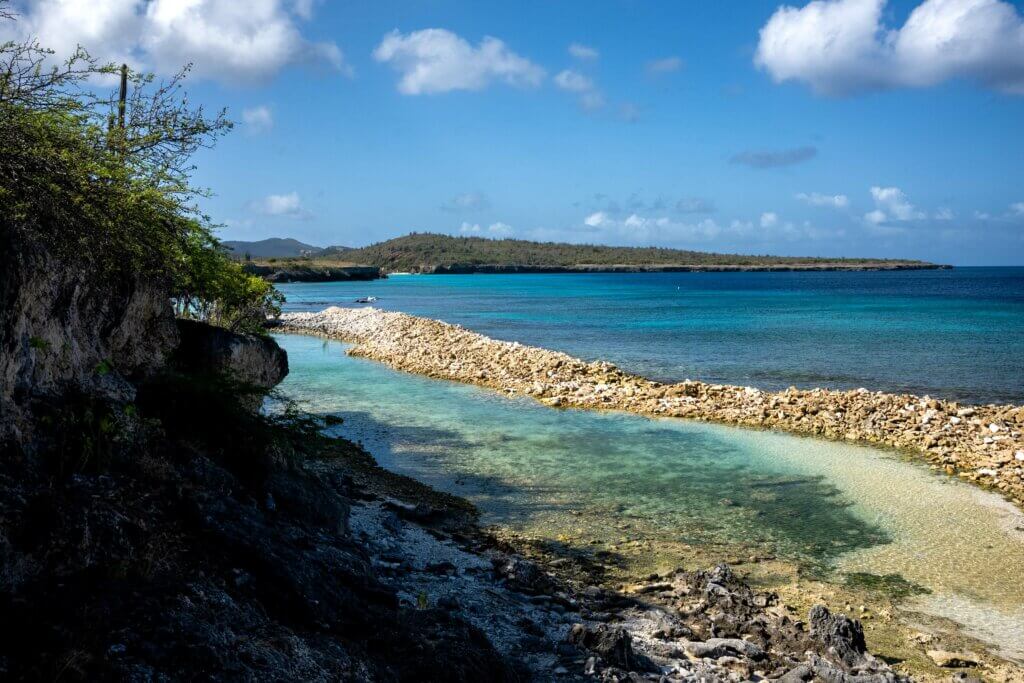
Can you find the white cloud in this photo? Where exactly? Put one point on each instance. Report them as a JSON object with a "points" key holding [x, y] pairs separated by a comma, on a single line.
{"points": [[769, 219], [435, 60], [289, 205], [498, 229], [837, 201], [590, 97], [664, 66], [224, 40], [892, 204], [1017, 208], [304, 8], [583, 52], [573, 81], [258, 119], [944, 214], [841, 47], [597, 219], [875, 217]]}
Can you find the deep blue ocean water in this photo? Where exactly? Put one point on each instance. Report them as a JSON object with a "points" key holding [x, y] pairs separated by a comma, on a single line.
{"points": [[951, 333]]}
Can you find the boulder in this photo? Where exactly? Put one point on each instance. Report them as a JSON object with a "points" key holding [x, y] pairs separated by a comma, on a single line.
{"points": [[612, 643], [841, 636], [255, 362]]}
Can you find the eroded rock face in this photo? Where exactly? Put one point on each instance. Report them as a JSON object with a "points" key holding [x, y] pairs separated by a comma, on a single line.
{"points": [[256, 362], [63, 329]]}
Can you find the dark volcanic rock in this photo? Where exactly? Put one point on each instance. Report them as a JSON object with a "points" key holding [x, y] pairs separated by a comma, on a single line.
{"points": [[255, 362], [843, 637], [612, 643]]}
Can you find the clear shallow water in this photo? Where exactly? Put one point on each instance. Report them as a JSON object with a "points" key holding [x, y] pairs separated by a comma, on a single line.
{"points": [[953, 333], [848, 508]]}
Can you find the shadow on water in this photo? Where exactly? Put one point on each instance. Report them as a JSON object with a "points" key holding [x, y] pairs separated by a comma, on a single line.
{"points": [[420, 452], [698, 495]]}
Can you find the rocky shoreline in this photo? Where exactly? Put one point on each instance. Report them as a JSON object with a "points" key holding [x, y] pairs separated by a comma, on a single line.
{"points": [[300, 272], [484, 268], [981, 444], [554, 617]]}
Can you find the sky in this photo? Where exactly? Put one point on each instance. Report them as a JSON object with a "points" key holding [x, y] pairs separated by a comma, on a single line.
{"points": [[832, 128]]}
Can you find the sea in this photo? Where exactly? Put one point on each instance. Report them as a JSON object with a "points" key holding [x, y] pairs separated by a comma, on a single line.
{"points": [[955, 334], [613, 481]]}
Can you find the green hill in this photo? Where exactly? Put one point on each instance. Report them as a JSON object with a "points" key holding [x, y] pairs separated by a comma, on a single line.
{"points": [[434, 253]]}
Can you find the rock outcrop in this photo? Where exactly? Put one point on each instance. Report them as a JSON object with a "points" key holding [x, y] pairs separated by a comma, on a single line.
{"points": [[982, 444], [64, 329], [256, 364]]}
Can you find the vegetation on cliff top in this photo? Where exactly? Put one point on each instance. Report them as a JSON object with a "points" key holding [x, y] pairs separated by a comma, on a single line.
{"points": [[102, 181], [429, 251]]}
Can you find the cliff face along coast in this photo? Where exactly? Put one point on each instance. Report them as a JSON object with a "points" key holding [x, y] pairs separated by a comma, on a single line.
{"points": [[982, 444]]}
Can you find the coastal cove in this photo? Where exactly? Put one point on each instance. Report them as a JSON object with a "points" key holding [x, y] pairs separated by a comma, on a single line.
{"points": [[653, 492]]}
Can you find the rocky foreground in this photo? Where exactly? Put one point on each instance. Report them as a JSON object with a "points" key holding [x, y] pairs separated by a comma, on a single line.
{"points": [[981, 444]]}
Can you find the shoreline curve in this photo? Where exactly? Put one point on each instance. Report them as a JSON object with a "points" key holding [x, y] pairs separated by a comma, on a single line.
{"points": [[981, 444]]}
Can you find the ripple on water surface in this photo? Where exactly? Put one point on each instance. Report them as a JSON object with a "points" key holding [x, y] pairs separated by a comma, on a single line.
{"points": [[849, 508]]}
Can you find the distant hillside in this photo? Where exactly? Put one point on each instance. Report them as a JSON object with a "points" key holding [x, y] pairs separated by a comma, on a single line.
{"points": [[274, 247], [433, 253]]}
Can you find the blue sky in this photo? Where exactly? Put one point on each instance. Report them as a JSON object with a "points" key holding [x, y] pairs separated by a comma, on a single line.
{"points": [[844, 127]]}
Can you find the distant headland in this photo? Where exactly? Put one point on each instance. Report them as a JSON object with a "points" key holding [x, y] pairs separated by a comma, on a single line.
{"points": [[286, 260]]}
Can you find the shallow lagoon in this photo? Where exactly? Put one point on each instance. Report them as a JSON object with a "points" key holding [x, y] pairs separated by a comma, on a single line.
{"points": [[827, 506]]}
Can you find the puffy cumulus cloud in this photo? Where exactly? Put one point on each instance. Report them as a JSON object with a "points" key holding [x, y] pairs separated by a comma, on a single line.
{"points": [[590, 97], [841, 47], [891, 204], [498, 229], [287, 205], [583, 52], [835, 201], [435, 60], [598, 219], [224, 40], [467, 202], [666, 65], [258, 119], [769, 219]]}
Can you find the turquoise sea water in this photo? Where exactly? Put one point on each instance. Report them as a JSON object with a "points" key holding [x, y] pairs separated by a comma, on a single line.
{"points": [[952, 333], [615, 478]]}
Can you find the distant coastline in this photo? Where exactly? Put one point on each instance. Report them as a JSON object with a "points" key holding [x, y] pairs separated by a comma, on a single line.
{"points": [[427, 253], [311, 271], [457, 269]]}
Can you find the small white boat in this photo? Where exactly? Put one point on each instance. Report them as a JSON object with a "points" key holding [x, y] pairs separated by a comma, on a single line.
{"points": [[366, 300]]}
